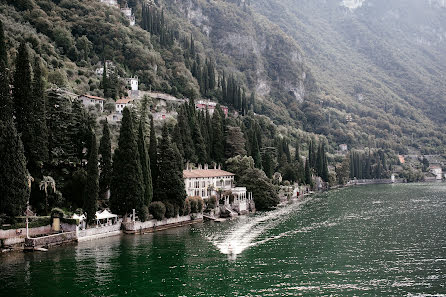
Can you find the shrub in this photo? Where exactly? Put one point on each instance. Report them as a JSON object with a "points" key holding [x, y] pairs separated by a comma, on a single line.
{"points": [[176, 210], [212, 202], [143, 213], [193, 205], [158, 210], [57, 213], [170, 210], [187, 207], [200, 204]]}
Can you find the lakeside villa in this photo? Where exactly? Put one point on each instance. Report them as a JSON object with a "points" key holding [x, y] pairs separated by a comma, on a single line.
{"points": [[206, 182]]}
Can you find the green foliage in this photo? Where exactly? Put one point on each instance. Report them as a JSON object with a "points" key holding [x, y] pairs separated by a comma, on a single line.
{"points": [[105, 161], [158, 210], [57, 213], [145, 165], [170, 182], [211, 202], [263, 191], [6, 106], [127, 189], [170, 210], [14, 187], [92, 183]]}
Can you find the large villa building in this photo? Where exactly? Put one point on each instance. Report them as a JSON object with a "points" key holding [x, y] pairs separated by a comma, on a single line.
{"points": [[205, 182]]}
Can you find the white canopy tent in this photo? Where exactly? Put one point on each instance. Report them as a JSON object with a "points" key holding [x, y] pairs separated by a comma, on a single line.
{"points": [[105, 217]]}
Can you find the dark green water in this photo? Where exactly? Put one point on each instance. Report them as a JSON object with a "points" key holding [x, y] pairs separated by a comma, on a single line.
{"points": [[386, 240]]}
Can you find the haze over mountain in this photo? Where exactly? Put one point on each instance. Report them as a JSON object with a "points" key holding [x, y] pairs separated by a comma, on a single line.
{"points": [[384, 60]]}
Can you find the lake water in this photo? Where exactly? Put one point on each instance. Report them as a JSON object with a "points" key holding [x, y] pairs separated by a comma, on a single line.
{"points": [[381, 240]]}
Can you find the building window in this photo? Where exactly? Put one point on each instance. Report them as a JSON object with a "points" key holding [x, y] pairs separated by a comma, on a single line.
{"points": [[203, 184]]}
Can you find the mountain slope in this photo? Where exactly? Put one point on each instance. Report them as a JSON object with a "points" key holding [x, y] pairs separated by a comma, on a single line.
{"points": [[382, 59]]}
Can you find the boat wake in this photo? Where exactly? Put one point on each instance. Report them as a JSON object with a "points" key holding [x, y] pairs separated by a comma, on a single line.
{"points": [[250, 231]]}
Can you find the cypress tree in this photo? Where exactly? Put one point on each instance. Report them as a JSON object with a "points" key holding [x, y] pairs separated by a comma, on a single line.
{"points": [[23, 99], [218, 147], [200, 147], [6, 106], [255, 151], [268, 164], [170, 183], [14, 182], [105, 84], [153, 151], [39, 147], [310, 154], [14, 187], [325, 174], [105, 162], [145, 165], [188, 143], [308, 179], [297, 153], [252, 101], [127, 190], [92, 184]]}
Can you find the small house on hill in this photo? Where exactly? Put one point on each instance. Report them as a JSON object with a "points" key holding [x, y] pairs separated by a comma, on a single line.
{"points": [[88, 100], [122, 103], [210, 106]]}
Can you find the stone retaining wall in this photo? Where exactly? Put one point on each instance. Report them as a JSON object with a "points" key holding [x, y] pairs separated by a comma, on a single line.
{"points": [[50, 240], [15, 237], [99, 232], [153, 225], [22, 232]]}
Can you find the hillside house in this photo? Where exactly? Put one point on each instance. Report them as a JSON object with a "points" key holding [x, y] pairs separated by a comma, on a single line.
{"points": [[343, 147], [129, 15], [210, 105], [88, 100], [122, 103], [110, 68]]}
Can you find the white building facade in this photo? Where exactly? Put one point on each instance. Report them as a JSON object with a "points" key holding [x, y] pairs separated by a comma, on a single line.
{"points": [[88, 100], [205, 182], [122, 103]]}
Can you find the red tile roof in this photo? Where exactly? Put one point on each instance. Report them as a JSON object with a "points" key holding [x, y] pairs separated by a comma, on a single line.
{"points": [[124, 101], [93, 97], [197, 173]]}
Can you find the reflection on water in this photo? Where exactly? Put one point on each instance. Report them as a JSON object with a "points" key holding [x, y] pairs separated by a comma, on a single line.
{"points": [[384, 240]]}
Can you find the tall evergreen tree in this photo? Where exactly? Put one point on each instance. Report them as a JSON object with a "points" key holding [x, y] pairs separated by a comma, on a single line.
{"points": [[105, 162], [218, 147], [92, 183], [105, 81], [14, 186], [127, 190], [170, 183], [23, 99], [308, 178], [38, 150], [153, 152], [6, 106], [145, 165]]}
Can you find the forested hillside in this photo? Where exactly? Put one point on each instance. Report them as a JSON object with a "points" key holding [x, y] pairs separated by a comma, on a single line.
{"points": [[382, 61], [367, 77]]}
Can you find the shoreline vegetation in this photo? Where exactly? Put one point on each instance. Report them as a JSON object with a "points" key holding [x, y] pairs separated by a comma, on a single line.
{"points": [[41, 242]]}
